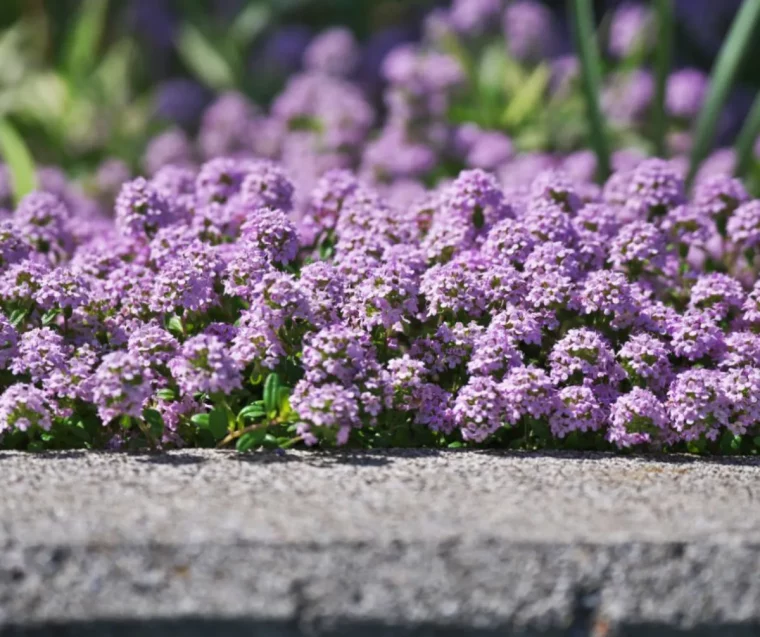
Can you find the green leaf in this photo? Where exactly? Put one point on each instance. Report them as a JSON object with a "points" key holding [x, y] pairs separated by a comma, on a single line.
{"points": [[203, 59], [252, 412], [249, 23], [166, 394], [202, 420], [456, 445], [663, 60], [582, 19], [155, 420], [80, 49], [175, 326], [735, 46], [251, 439], [271, 393], [217, 422], [50, 316], [745, 142], [18, 159], [18, 316], [528, 99]]}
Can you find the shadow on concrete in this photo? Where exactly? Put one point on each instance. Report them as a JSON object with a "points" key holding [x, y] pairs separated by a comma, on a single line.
{"points": [[197, 627]]}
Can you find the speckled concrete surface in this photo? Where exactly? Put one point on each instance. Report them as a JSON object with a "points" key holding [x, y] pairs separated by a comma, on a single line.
{"points": [[378, 543]]}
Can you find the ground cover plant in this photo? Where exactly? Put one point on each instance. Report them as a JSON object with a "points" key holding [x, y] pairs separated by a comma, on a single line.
{"points": [[450, 268]]}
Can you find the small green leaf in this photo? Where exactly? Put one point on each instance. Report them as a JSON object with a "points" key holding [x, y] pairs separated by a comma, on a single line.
{"points": [[155, 420], [217, 423], [202, 420], [82, 43], [252, 412], [204, 59], [271, 393], [166, 394], [252, 439], [18, 159], [50, 317], [18, 316], [756, 440], [528, 99], [456, 445], [249, 23], [175, 326]]}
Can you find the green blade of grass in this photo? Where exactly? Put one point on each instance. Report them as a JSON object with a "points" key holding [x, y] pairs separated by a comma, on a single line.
{"points": [[582, 19], [663, 61], [80, 49], [204, 59], [722, 78], [748, 136], [18, 159]]}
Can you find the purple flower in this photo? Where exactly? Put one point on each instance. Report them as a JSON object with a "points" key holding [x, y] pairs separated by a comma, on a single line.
{"points": [[42, 220], [8, 342], [609, 294], [205, 365], [584, 356], [577, 410], [630, 29], [479, 408], [638, 246], [279, 297], [256, 343], [453, 288], [182, 285], [529, 30], [141, 209], [547, 221], [686, 91], [334, 52], [245, 270], [326, 200], [224, 124], [387, 297], [695, 335], [697, 404], [655, 187], [555, 187], [741, 386], [63, 289], [645, 359], [23, 407], [325, 288], [717, 196], [266, 186], [330, 406], [509, 240], [121, 386], [637, 418], [744, 225], [13, 247], [494, 352], [448, 348], [474, 17], [520, 324], [688, 225], [528, 392], [153, 345], [171, 147], [338, 353], [599, 218], [742, 349], [717, 294], [220, 179], [40, 352], [751, 307], [271, 232]]}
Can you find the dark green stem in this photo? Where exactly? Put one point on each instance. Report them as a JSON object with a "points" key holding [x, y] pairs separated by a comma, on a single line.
{"points": [[582, 19]]}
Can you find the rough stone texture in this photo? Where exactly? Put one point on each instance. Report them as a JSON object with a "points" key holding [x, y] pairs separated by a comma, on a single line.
{"points": [[396, 543]]}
